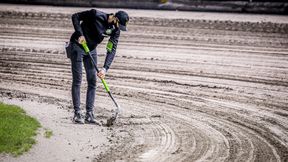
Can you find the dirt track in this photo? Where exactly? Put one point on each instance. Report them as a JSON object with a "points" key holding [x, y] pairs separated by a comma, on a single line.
{"points": [[190, 89]]}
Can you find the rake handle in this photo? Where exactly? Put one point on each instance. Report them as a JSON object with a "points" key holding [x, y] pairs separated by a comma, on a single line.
{"points": [[86, 49]]}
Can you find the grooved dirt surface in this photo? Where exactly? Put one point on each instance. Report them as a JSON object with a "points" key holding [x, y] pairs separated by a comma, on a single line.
{"points": [[190, 89]]}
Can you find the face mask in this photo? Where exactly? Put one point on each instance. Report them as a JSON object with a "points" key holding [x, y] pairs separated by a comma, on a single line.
{"points": [[114, 25]]}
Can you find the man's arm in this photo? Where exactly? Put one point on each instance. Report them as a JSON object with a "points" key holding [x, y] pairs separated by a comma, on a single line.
{"points": [[82, 16], [111, 49]]}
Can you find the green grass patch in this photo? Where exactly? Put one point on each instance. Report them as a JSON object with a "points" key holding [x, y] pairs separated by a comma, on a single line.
{"points": [[48, 133], [16, 130]]}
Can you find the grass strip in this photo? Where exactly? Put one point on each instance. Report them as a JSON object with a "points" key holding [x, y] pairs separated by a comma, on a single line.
{"points": [[17, 130]]}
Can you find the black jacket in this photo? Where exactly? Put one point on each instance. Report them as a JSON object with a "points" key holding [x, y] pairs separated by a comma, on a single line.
{"points": [[93, 25]]}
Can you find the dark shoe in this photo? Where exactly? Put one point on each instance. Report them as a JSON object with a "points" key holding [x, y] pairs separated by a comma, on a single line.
{"points": [[78, 118], [90, 119]]}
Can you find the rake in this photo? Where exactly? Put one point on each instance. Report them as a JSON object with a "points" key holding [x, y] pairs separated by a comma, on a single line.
{"points": [[111, 120]]}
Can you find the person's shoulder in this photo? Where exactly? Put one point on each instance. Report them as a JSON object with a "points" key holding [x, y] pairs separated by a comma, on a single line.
{"points": [[98, 12], [93, 11]]}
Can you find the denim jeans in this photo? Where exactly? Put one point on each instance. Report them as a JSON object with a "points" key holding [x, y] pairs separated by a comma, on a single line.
{"points": [[77, 57]]}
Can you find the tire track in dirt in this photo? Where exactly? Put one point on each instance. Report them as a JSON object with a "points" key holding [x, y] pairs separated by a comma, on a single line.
{"points": [[192, 90], [260, 144]]}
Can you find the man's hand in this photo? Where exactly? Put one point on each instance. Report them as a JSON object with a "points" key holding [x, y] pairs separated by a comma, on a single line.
{"points": [[101, 73], [81, 40]]}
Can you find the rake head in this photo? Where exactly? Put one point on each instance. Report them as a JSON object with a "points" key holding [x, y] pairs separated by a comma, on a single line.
{"points": [[111, 121]]}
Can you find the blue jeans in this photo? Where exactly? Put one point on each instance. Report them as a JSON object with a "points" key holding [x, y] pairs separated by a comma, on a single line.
{"points": [[77, 57]]}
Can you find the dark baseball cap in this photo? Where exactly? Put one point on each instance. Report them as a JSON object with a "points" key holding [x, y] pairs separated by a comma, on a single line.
{"points": [[123, 19]]}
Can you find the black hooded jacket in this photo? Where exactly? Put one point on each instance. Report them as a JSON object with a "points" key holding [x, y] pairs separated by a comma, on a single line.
{"points": [[93, 25]]}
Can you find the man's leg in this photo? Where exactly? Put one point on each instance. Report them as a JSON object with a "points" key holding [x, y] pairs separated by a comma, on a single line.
{"points": [[91, 80], [76, 64], [91, 89]]}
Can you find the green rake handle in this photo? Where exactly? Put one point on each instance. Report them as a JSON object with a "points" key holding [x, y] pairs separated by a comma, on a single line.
{"points": [[117, 111], [86, 49]]}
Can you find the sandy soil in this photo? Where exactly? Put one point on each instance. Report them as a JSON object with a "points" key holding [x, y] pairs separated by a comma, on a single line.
{"points": [[69, 142], [210, 88]]}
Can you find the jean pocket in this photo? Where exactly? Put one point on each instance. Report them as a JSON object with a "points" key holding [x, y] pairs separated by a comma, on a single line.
{"points": [[68, 49]]}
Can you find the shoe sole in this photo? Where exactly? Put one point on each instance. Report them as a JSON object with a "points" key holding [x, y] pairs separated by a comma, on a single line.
{"points": [[75, 122]]}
